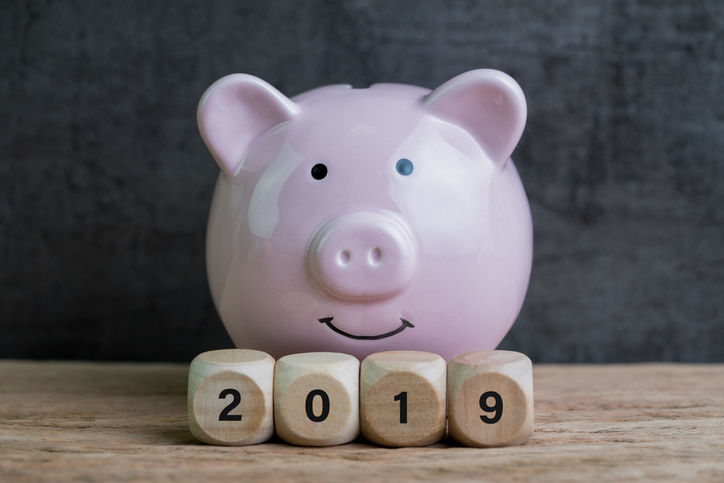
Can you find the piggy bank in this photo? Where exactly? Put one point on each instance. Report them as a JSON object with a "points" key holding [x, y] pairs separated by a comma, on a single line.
{"points": [[365, 220]]}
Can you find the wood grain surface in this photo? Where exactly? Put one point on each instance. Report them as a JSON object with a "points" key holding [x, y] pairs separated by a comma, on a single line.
{"points": [[127, 422]]}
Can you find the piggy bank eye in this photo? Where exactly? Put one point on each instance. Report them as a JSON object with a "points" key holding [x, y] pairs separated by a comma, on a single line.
{"points": [[319, 171], [404, 167]]}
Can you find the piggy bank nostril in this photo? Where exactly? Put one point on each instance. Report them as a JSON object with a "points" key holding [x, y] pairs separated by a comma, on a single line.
{"points": [[374, 257], [343, 258]]}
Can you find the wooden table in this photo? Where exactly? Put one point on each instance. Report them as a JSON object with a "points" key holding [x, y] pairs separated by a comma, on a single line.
{"points": [[109, 422]]}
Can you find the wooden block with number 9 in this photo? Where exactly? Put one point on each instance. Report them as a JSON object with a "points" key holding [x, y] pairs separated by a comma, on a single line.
{"points": [[402, 398], [490, 396], [230, 397]]}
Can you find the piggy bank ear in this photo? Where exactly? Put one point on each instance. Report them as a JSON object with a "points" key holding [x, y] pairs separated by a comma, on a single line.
{"points": [[236, 111], [488, 104]]}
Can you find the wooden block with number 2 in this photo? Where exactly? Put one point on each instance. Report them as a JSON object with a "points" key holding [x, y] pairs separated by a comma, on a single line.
{"points": [[230, 397], [490, 396]]}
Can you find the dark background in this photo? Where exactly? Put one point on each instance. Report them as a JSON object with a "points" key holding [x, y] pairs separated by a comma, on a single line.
{"points": [[105, 183]]}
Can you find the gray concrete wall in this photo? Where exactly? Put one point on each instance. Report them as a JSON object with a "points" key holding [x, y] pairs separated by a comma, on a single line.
{"points": [[105, 183]]}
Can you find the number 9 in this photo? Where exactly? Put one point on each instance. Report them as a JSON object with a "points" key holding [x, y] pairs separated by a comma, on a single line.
{"points": [[497, 408]]}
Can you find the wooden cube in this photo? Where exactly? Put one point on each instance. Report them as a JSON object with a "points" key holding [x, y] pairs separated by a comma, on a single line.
{"points": [[402, 398], [230, 397], [316, 398], [490, 398]]}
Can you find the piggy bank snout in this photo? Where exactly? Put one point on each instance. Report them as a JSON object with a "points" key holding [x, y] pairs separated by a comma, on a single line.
{"points": [[362, 256]]}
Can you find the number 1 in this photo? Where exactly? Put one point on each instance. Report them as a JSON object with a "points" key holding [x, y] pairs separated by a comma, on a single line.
{"points": [[402, 397]]}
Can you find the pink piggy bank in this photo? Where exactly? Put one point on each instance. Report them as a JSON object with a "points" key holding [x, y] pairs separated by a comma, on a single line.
{"points": [[365, 220]]}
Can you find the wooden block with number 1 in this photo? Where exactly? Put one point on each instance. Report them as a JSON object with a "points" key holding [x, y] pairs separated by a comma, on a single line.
{"points": [[230, 397], [490, 397], [316, 398], [402, 398]]}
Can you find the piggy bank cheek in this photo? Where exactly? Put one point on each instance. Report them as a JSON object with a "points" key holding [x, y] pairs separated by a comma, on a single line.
{"points": [[448, 220], [265, 303], [249, 268], [447, 208], [273, 312]]}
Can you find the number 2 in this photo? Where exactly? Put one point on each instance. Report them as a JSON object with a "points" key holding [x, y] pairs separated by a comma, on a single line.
{"points": [[235, 400], [497, 408]]}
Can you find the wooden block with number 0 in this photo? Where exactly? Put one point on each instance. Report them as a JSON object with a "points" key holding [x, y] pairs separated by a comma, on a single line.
{"points": [[230, 397], [490, 396], [402, 398], [316, 398]]}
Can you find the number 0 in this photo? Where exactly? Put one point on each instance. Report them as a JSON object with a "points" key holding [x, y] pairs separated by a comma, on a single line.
{"points": [[309, 406]]}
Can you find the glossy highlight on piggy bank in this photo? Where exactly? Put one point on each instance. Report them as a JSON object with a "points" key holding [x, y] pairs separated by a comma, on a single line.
{"points": [[367, 220]]}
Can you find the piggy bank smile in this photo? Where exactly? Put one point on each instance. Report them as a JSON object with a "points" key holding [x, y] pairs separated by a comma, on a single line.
{"points": [[364, 220], [328, 321]]}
